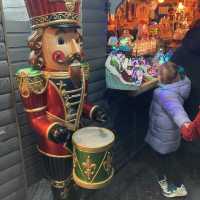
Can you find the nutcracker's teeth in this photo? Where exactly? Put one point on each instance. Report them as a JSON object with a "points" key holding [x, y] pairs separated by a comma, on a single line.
{"points": [[75, 64], [60, 61]]}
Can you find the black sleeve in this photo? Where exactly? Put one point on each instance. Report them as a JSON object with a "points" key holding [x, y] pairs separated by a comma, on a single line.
{"points": [[192, 41]]}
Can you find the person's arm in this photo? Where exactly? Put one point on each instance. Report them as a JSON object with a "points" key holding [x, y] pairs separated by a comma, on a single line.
{"points": [[173, 107], [176, 111], [192, 40], [191, 131]]}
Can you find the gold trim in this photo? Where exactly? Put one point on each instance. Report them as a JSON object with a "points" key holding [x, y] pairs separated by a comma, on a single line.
{"points": [[49, 128], [34, 110], [58, 184], [42, 25], [80, 108], [26, 87], [56, 75], [70, 5], [62, 121], [92, 110], [86, 70], [66, 181], [74, 91], [49, 14], [107, 164], [92, 186], [89, 168], [100, 167], [55, 18], [75, 160], [61, 98], [68, 149], [53, 156], [95, 150]]}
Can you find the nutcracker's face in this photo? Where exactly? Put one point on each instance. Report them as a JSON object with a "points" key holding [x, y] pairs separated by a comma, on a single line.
{"points": [[61, 48]]}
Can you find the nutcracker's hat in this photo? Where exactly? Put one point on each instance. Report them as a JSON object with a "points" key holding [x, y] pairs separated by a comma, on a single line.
{"points": [[58, 13]]}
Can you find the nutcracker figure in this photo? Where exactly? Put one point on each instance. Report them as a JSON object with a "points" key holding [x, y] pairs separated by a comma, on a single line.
{"points": [[54, 89]]}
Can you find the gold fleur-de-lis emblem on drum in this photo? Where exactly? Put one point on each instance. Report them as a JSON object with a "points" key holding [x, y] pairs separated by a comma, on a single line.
{"points": [[89, 168], [108, 163]]}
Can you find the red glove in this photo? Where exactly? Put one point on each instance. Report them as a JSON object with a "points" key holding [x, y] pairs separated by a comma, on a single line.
{"points": [[197, 123], [191, 131], [188, 131]]}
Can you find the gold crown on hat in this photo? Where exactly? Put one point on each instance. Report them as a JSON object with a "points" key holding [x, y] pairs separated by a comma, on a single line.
{"points": [[70, 4]]}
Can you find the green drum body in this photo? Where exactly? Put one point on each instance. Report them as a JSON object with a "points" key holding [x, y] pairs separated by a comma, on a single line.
{"points": [[92, 157]]}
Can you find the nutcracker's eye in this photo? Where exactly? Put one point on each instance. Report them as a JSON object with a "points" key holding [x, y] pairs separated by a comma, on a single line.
{"points": [[61, 40]]}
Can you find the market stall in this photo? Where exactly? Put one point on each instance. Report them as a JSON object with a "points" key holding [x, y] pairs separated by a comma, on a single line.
{"points": [[142, 35]]}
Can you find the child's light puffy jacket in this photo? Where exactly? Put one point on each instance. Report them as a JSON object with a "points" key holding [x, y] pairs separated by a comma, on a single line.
{"points": [[167, 115]]}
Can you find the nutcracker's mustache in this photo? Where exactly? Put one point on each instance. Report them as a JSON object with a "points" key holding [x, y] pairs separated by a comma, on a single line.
{"points": [[75, 59]]}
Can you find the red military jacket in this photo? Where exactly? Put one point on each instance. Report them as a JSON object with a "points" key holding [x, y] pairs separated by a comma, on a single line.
{"points": [[60, 102]]}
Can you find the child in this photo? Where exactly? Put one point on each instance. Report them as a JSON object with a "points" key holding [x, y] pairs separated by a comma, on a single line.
{"points": [[167, 118]]}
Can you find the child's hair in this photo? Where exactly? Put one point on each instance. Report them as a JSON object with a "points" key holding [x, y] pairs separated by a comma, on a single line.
{"points": [[170, 72]]}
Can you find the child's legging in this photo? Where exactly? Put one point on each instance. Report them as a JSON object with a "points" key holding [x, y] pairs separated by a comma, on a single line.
{"points": [[167, 165]]}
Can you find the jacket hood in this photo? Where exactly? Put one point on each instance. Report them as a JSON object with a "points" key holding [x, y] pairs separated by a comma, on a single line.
{"points": [[181, 87]]}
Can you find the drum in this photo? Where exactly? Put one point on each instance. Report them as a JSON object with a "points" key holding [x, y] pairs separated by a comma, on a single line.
{"points": [[92, 157]]}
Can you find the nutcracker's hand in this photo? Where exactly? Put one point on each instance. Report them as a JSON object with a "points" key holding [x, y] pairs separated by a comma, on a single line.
{"points": [[100, 115], [59, 134]]}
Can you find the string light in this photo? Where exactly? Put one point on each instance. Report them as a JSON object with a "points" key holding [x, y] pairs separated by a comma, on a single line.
{"points": [[161, 1], [180, 7]]}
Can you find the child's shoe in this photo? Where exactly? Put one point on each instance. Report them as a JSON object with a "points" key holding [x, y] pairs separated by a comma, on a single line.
{"points": [[174, 191], [163, 184]]}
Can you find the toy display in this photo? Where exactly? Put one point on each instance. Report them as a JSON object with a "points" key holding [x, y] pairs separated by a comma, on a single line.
{"points": [[144, 47], [130, 72], [143, 31], [153, 27], [142, 12], [113, 41], [54, 88], [165, 28], [161, 57]]}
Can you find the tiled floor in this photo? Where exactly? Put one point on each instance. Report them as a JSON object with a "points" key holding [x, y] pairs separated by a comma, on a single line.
{"points": [[137, 181]]}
